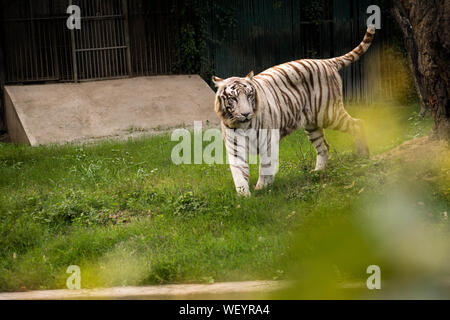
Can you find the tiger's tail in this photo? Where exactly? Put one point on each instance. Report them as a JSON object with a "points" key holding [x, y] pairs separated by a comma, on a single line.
{"points": [[355, 54]]}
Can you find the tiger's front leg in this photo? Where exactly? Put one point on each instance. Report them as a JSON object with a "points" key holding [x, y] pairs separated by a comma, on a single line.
{"points": [[237, 157], [240, 176]]}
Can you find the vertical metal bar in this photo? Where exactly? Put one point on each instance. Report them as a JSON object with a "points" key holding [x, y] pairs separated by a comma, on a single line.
{"points": [[108, 52], [54, 53], [28, 56], [34, 50], [160, 56], [54, 47], [67, 54], [98, 37], [95, 45], [82, 36], [81, 39], [157, 43], [46, 46], [88, 41], [62, 52], [21, 58], [123, 52], [39, 49], [153, 39], [74, 53], [163, 43], [116, 51], [145, 39], [104, 44], [127, 36]]}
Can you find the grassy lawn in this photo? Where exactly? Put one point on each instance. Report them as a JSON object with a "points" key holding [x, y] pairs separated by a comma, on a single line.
{"points": [[127, 215]]}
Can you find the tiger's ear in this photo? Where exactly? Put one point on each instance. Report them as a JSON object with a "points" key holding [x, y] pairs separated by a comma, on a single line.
{"points": [[217, 81], [250, 75]]}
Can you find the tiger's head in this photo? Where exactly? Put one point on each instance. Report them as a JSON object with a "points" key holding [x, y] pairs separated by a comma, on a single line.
{"points": [[236, 101]]}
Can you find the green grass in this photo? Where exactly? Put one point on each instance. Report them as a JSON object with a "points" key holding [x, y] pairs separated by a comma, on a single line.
{"points": [[127, 215]]}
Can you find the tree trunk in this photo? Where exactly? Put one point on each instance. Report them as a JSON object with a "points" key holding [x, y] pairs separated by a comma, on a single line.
{"points": [[426, 29], [2, 83]]}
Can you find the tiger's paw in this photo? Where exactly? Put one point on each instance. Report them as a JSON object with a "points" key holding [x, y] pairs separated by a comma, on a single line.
{"points": [[243, 192], [264, 182], [259, 187]]}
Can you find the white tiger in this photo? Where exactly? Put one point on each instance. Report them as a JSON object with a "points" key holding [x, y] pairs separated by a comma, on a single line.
{"points": [[298, 94]]}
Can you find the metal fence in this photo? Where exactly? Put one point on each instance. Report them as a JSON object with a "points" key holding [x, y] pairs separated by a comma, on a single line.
{"points": [[118, 38], [32, 50], [152, 36], [122, 38], [270, 32], [101, 47]]}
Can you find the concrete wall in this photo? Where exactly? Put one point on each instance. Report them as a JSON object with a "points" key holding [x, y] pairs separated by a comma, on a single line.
{"points": [[14, 124], [69, 112]]}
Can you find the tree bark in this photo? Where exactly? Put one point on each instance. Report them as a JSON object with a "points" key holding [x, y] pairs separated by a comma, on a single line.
{"points": [[2, 83], [426, 30]]}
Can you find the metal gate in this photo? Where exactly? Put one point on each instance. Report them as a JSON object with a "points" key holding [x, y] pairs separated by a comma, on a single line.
{"points": [[40, 47], [100, 49]]}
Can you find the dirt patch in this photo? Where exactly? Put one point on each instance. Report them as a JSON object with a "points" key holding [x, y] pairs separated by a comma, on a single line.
{"points": [[418, 149], [225, 290], [421, 161]]}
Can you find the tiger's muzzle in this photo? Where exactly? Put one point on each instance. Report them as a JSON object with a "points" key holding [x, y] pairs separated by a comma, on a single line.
{"points": [[245, 117]]}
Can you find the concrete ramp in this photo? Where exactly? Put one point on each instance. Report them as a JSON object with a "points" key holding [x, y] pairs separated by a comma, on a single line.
{"points": [[69, 112]]}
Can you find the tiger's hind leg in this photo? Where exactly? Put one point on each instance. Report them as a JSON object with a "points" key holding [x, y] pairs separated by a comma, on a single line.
{"points": [[358, 132], [317, 139], [345, 123]]}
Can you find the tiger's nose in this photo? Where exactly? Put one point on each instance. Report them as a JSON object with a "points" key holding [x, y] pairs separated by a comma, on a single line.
{"points": [[247, 115]]}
